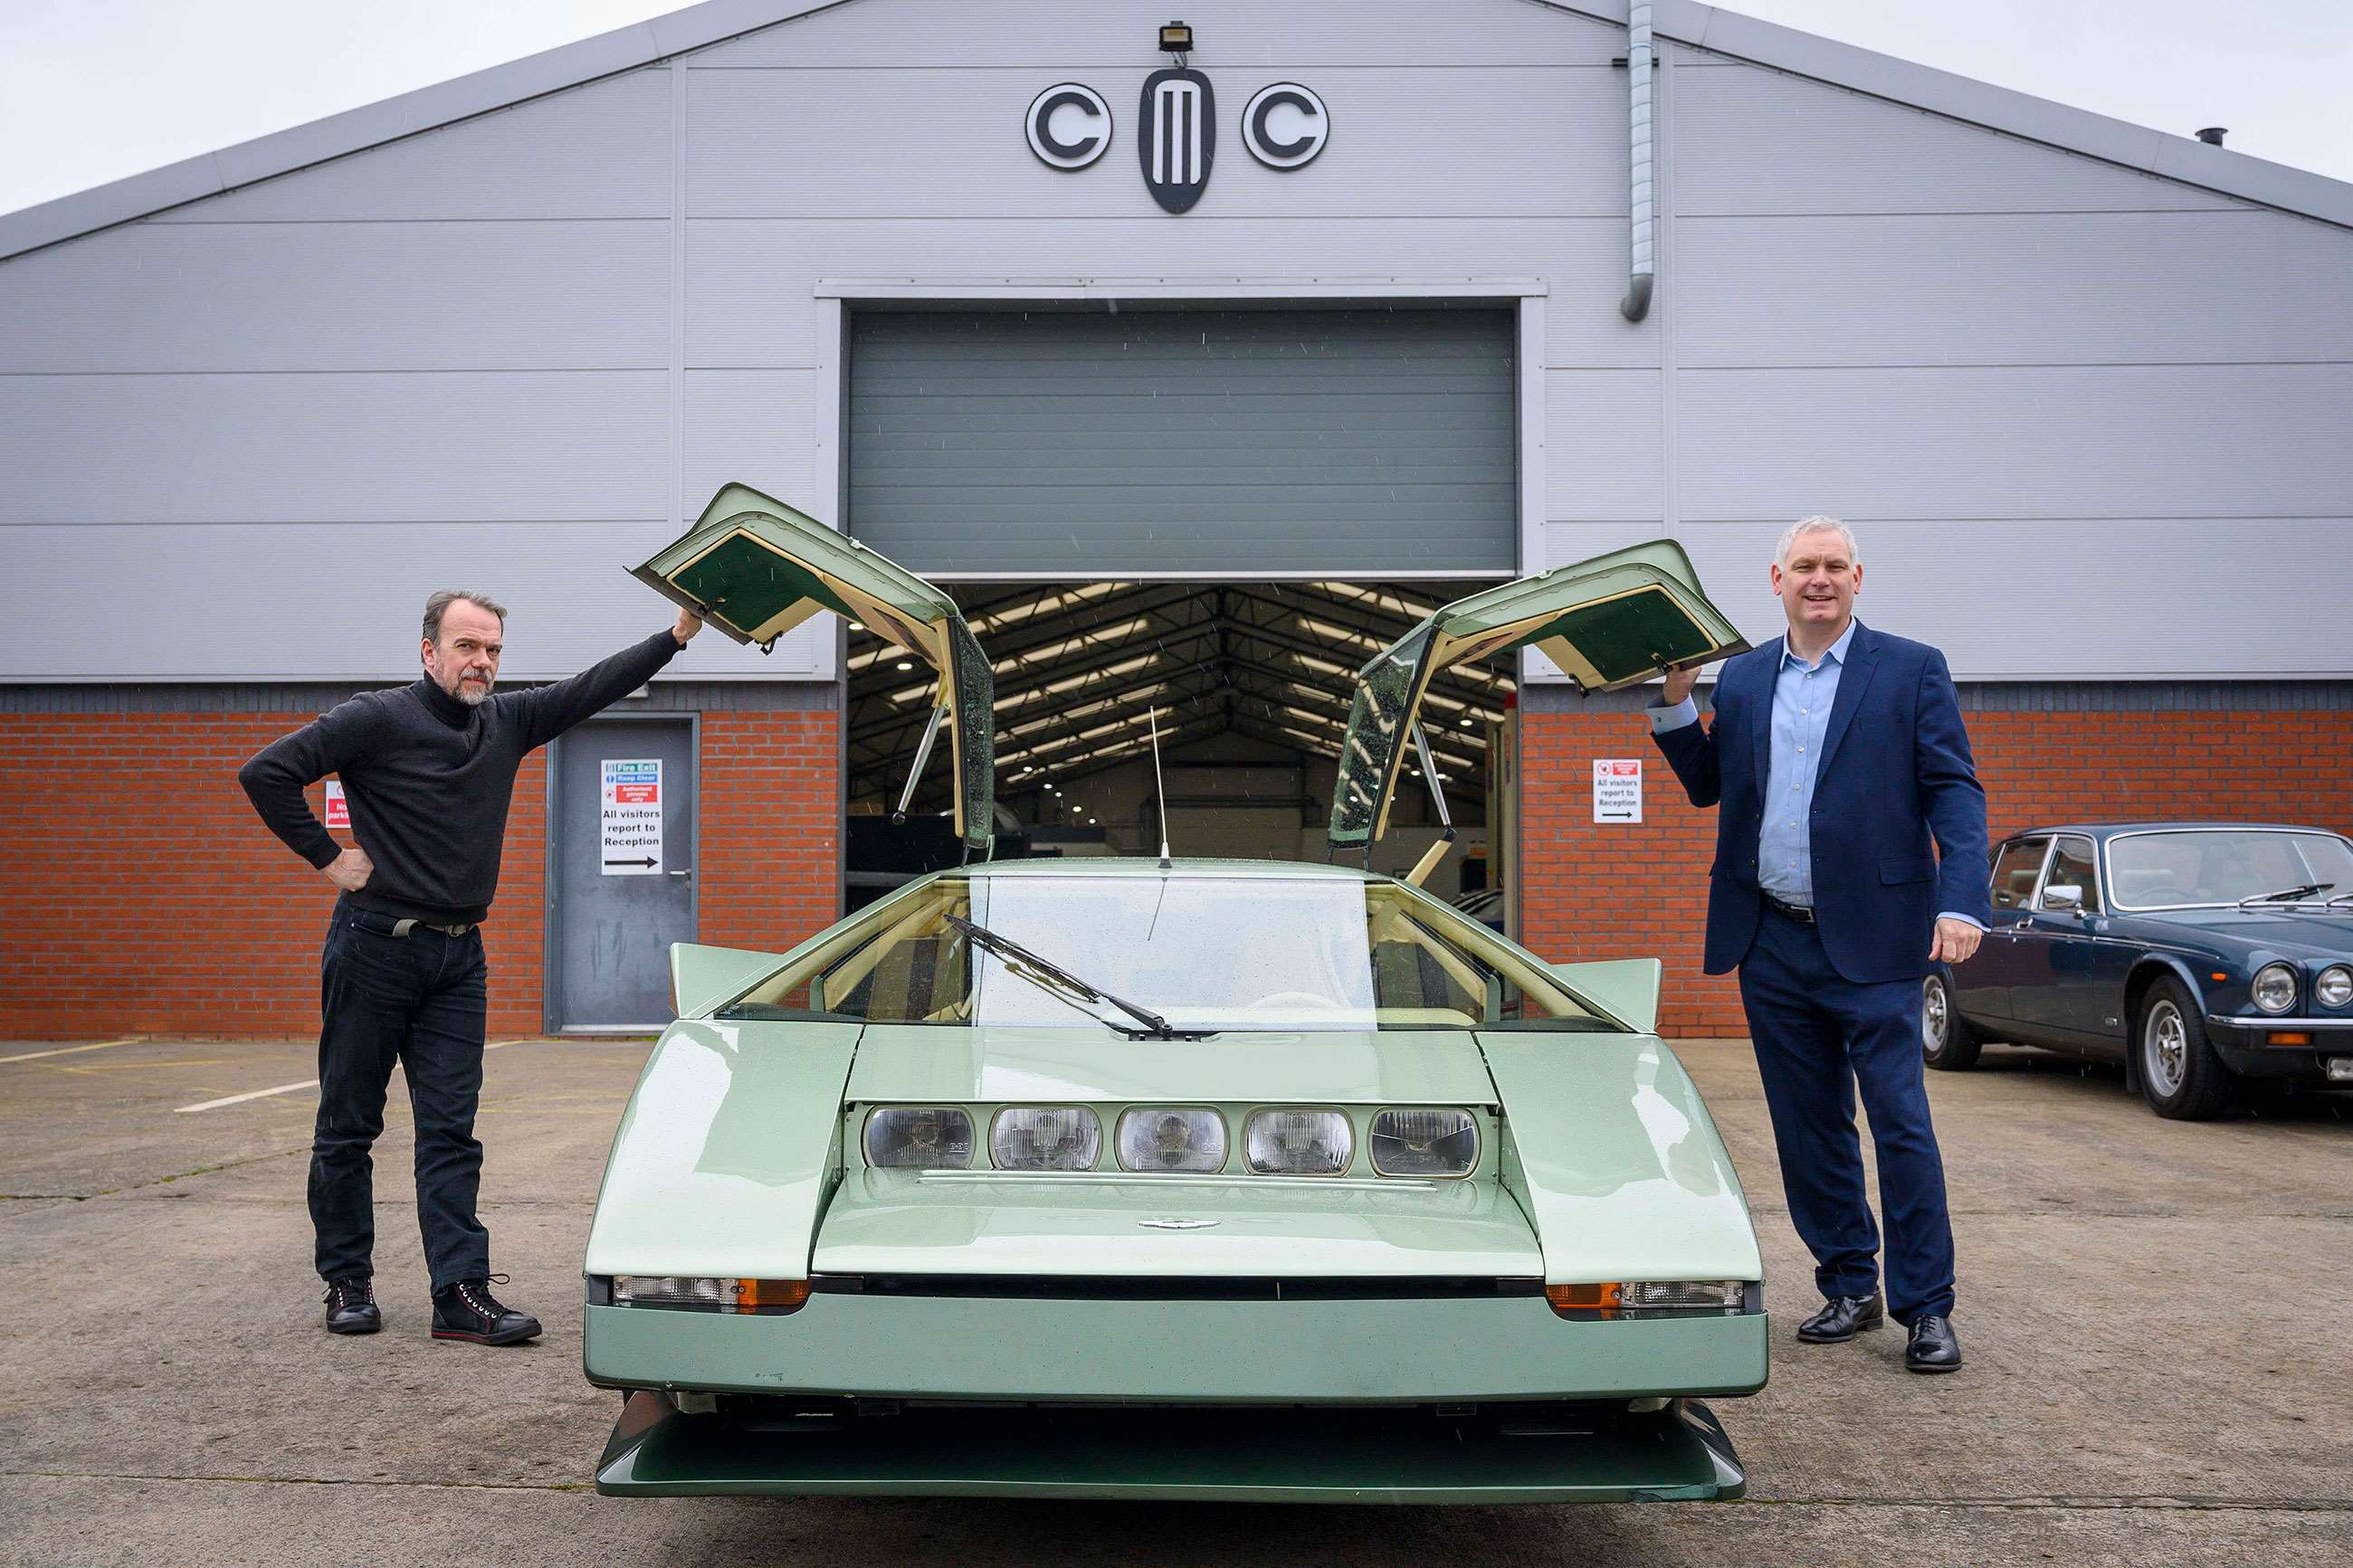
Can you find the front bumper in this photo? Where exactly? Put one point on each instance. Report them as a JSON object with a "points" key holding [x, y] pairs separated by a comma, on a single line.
{"points": [[1549, 1455], [1350, 1351], [2244, 1044]]}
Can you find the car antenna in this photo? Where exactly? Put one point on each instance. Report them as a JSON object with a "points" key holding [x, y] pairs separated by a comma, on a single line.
{"points": [[1159, 789]]}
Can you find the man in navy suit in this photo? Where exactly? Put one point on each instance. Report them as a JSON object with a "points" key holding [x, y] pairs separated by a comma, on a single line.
{"points": [[1837, 753]]}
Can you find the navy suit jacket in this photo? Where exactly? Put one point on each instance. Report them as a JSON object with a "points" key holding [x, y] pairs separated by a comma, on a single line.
{"points": [[1895, 774]]}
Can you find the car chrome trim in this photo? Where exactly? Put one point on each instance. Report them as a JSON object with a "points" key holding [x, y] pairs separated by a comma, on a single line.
{"points": [[2271, 1021]]}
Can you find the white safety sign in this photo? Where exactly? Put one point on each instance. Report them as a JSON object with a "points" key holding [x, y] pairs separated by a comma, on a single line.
{"points": [[631, 829], [1617, 789], [339, 811]]}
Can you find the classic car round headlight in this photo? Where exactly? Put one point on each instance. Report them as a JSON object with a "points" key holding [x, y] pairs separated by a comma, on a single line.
{"points": [[1172, 1138], [923, 1137], [1045, 1138], [1425, 1143], [2335, 986], [1293, 1143], [2275, 988]]}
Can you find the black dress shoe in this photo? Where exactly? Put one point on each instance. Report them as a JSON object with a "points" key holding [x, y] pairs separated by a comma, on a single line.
{"points": [[351, 1308], [1933, 1347], [467, 1311], [1842, 1318]]}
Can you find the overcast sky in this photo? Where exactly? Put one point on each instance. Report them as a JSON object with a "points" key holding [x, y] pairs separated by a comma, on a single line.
{"points": [[91, 90]]}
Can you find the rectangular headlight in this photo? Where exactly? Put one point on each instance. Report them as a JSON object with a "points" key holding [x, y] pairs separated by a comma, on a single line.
{"points": [[1172, 1138], [1298, 1142], [920, 1137], [698, 1293], [1608, 1300], [1425, 1143], [1045, 1138]]}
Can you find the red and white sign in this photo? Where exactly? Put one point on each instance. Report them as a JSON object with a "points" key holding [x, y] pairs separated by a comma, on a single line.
{"points": [[339, 811], [631, 817], [1617, 789]]}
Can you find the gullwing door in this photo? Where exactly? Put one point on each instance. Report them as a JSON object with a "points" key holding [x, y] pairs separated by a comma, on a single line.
{"points": [[1616, 620], [755, 568]]}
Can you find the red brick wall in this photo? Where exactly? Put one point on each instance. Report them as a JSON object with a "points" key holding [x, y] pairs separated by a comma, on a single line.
{"points": [[1593, 891], [139, 894]]}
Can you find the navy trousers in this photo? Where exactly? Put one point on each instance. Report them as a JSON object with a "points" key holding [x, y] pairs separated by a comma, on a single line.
{"points": [[420, 1001], [1817, 1038]]}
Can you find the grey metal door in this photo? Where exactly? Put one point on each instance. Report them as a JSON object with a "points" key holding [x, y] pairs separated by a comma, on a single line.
{"points": [[622, 856]]}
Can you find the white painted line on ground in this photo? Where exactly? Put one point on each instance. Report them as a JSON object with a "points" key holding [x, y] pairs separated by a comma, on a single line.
{"points": [[69, 1050], [308, 1083]]}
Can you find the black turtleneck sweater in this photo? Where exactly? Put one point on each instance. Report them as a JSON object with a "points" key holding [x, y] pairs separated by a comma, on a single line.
{"points": [[429, 780]]}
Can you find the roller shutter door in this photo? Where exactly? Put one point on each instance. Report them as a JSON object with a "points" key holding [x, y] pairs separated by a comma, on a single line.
{"points": [[1082, 443]]}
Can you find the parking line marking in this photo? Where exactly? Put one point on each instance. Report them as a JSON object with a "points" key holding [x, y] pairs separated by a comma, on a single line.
{"points": [[306, 1083], [71, 1051]]}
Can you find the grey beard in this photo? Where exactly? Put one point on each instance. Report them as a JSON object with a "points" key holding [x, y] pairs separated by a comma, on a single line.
{"points": [[472, 696]]}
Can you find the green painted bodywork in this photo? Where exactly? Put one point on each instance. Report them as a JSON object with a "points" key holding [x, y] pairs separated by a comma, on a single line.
{"points": [[701, 978], [1393, 1350], [1676, 1453], [1627, 988]]}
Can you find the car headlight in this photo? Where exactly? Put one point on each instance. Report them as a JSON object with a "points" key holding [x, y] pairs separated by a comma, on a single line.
{"points": [[2275, 988], [705, 1295], [1045, 1138], [1425, 1143], [2335, 986], [1609, 1299], [1292, 1143], [923, 1137], [1172, 1138]]}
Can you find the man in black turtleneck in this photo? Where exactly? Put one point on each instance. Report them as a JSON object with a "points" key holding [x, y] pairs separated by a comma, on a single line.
{"points": [[428, 771]]}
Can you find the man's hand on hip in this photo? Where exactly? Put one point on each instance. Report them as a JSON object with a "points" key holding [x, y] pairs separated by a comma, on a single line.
{"points": [[1679, 685], [351, 870], [689, 623], [1955, 941]]}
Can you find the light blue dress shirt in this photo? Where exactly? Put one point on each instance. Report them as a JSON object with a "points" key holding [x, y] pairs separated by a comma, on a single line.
{"points": [[1802, 696]]}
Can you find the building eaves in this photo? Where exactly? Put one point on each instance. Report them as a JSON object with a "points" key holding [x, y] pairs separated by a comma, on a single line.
{"points": [[1707, 27]]}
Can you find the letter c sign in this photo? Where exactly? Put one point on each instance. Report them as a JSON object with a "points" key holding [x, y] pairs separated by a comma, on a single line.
{"points": [[1285, 125], [1084, 132]]}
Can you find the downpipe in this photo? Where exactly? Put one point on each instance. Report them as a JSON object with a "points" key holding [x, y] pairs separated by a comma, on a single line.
{"points": [[1643, 271]]}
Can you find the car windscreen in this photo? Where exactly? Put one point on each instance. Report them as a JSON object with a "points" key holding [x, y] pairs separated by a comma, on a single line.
{"points": [[2224, 866], [1208, 954]]}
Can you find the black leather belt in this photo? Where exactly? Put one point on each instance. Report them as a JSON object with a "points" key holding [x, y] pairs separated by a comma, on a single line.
{"points": [[385, 925], [1789, 912]]}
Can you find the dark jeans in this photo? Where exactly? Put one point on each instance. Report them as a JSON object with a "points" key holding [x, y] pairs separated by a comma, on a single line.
{"points": [[1817, 1037], [418, 1000]]}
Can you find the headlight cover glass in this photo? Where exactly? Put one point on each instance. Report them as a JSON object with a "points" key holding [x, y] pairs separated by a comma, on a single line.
{"points": [[1608, 1300], [2335, 986], [699, 1294], [1172, 1138], [1425, 1143], [1045, 1138], [1298, 1142], [919, 1137], [2275, 988]]}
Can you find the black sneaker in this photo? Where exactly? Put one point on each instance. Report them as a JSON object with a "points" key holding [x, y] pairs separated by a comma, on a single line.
{"points": [[467, 1311], [351, 1307]]}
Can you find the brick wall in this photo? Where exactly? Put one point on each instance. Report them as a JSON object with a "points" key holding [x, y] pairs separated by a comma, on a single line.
{"points": [[141, 895], [1595, 892]]}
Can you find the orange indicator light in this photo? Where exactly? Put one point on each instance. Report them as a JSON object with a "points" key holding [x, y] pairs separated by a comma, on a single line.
{"points": [[2291, 1037], [1602, 1297], [776, 1295]]}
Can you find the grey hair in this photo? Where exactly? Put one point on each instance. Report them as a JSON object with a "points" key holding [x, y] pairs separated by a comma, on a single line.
{"points": [[1816, 523], [445, 598]]}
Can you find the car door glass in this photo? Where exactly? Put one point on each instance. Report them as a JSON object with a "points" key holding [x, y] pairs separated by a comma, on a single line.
{"points": [[2015, 872], [2072, 865]]}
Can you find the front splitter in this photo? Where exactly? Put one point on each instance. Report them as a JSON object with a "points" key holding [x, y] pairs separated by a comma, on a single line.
{"points": [[1276, 1454]]}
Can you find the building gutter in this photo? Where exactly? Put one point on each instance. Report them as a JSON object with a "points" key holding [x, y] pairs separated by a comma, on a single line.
{"points": [[1643, 270]]}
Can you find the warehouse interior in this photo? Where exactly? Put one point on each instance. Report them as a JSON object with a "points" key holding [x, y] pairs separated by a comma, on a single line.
{"points": [[1249, 684]]}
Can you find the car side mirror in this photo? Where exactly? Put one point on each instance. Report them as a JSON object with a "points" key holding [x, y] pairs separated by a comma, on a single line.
{"points": [[2063, 898]]}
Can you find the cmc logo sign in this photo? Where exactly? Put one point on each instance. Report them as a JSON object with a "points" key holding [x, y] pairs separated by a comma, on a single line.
{"points": [[1069, 125], [1179, 136], [1284, 126]]}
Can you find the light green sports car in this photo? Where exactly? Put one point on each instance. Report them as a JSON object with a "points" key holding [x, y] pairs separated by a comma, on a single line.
{"points": [[1172, 1179]]}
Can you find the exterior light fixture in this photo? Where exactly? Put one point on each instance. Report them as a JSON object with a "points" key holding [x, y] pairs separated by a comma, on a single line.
{"points": [[1175, 38]]}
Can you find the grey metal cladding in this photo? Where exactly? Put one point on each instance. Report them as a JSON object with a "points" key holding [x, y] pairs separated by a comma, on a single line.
{"points": [[769, 143], [2021, 696], [1755, 141], [1278, 440]]}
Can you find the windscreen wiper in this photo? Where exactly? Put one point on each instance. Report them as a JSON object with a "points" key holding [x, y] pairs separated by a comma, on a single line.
{"points": [[1021, 961], [2286, 895]]}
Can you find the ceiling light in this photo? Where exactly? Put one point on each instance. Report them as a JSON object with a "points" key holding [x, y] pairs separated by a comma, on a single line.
{"points": [[902, 664], [857, 626]]}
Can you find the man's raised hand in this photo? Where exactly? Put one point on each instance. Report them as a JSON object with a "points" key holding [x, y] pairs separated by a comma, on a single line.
{"points": [[689, 623], [351, 870], [1679, 685]]}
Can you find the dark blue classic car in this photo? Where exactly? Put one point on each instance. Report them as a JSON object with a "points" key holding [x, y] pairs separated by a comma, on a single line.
{"points": [[2198, 953]]}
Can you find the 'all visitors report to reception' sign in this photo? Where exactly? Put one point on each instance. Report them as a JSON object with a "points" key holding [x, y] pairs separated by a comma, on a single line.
{"points": [[632, 817]]}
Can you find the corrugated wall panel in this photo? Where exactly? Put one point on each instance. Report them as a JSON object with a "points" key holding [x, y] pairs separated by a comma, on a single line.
{"points": [[750, 425], [1176, 441], [1602, 439], [1470, 142], [551, 295]]}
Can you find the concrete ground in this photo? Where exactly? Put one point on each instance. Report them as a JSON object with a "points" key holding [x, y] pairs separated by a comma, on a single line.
{"points": [[2154, 1313]]}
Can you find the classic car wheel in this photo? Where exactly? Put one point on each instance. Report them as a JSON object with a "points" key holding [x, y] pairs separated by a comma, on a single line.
{"points": [[1946, 1041], [2181, 1076]]}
